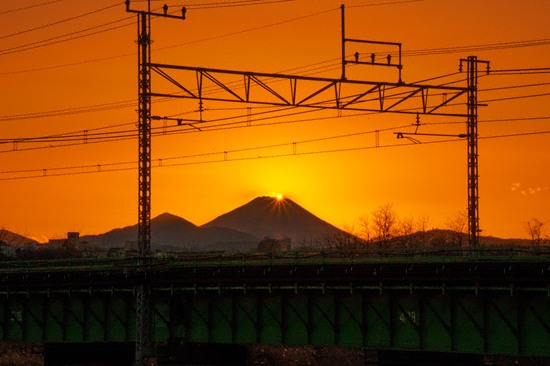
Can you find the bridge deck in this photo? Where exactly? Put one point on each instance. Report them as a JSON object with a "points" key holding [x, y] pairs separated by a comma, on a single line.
{"points": [[471, 304]]}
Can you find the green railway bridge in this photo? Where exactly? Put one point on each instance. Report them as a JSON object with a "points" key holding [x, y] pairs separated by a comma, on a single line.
{"points": [[470, 304]]}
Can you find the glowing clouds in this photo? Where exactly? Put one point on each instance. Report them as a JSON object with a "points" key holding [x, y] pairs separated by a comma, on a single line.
{"points": [[527, 191]]}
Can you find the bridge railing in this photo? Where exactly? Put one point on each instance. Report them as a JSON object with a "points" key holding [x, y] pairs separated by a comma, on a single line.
{"points": [[297, 257]]}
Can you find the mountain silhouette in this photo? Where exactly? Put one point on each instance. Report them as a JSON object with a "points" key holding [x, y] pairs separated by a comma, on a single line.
{"points": [[170, 232], [277, 218], [241, 229], [15, 240]]}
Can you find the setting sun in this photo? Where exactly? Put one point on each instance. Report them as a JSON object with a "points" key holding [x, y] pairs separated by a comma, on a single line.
{"points": [[278, 196]]}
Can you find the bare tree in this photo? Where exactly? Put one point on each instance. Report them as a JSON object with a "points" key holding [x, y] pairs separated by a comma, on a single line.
{"points": [[343, 240], [458, 225], [364, 228], [534, 229], [404, 230], [384, 219]]}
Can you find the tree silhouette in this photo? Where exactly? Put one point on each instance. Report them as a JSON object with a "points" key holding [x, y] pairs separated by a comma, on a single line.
{"points": [[534, 229], [458, 225], [383, 220]]}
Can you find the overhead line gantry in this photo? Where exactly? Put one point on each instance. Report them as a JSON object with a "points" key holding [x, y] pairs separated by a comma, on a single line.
{"points": [[299, 91], [283, 90]]}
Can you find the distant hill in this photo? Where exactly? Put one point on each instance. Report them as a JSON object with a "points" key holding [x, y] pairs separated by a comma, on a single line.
{"points": [[278, 219], [170, 232], [13, 239], [241, 229]]}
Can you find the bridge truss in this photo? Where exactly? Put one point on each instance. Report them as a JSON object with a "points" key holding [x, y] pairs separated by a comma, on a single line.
{"points": [[489, 306]]}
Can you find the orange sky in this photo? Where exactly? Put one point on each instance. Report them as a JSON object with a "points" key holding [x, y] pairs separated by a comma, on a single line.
{"points": [[294, 37]]}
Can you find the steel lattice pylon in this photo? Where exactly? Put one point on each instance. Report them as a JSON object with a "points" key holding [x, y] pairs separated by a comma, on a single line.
{"points": [[473, 173], [145, 353], [143, 343]]}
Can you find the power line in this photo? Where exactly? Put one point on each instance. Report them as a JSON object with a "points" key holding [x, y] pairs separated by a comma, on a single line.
{"points": [[231, 4], [479, 47], [249, 29], [60, 21], [271, 146], [100, 168], [60, 66], [516, 134], [114, 105], [69, 111], [385, 3], [125, 104], [83, 137], [522, 71], [128, 103], [516, 97], [525, 43], [515, 86], [61, 39], [515, 119], [29, 7]]}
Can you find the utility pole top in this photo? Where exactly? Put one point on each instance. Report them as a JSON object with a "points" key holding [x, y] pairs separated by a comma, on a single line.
{"points": [[373, 59], [164, 13]]}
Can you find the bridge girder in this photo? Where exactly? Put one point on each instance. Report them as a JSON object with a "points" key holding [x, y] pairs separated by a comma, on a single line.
{"points": [[465, 305]]}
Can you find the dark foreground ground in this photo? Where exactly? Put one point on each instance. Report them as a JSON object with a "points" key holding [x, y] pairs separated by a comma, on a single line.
{"points": [[20, 354]]}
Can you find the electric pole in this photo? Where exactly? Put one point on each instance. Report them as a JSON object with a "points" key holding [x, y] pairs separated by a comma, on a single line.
{"points": [[145, 353], [473, 174]]}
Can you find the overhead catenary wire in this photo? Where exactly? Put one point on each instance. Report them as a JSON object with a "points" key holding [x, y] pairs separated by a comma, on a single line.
{"points": [[515, 97], [230, 4], [522, 71], [61, 39], [224, 157], [507, 43], [85, 137], [132, 102], [270, 146], [80, 134], [431, 51], [81, 138], [395, 2], [29, 7], [60, 21]]}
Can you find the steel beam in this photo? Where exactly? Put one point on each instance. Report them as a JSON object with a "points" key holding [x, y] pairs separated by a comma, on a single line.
{"points": [[305, 91]]}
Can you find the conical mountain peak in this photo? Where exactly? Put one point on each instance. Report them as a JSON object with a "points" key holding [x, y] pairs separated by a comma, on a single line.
{"points": [[278, 218]]}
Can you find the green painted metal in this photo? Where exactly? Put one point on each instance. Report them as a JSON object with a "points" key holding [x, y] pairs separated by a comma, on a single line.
{"points": [[424, 312], [483, 323], [486, 323], [59, 317]]}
